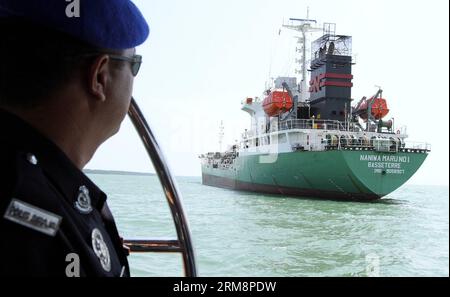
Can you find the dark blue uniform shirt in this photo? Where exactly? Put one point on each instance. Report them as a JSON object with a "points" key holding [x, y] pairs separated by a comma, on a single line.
{"points": [[54, 221]]}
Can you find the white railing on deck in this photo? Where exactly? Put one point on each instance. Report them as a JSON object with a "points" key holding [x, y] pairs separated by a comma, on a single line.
{"points": [[417, 145], [301, 124], [311, 124]]}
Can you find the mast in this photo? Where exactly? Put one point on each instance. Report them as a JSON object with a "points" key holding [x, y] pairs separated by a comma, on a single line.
{"points": [[221, 134], [303, 26]]}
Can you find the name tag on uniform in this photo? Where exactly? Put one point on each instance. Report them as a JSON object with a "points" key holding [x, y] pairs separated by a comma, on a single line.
{"points": [[33, 217]]}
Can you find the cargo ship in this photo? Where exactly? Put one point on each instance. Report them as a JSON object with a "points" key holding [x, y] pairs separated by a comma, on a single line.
{"points": [[306, 137]]}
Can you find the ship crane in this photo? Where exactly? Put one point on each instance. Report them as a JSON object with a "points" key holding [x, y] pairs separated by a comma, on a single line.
{"points": [[293, 111], [373, 110]]}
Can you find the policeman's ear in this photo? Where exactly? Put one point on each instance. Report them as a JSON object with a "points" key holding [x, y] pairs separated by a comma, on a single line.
{"points": [[99, 77]]}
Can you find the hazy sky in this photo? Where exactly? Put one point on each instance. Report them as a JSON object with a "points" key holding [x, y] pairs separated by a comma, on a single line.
{"points": [[204, 56]]}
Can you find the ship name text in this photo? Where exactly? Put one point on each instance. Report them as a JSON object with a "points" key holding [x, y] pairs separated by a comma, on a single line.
{"points": [[392, 163]]}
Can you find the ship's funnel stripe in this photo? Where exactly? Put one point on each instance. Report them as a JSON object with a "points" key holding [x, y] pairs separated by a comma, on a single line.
{"points": [[316, 83]]}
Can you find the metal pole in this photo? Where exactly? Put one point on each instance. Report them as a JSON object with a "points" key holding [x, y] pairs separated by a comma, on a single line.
{"points": [[304, 86], [169, 186]]}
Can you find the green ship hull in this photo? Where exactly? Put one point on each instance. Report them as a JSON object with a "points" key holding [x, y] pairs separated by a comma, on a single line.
{"points": [[336, 174]]}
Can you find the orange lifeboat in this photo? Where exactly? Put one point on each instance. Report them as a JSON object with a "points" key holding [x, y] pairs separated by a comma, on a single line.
{"points": [[379, 108], [277, 102]]}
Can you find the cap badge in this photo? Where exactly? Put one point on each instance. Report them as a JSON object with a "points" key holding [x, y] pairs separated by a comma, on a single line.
{"points": [[83, 203]]}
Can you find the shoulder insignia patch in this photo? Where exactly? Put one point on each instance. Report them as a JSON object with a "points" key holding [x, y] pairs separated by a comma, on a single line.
{"points": [[32, 217]]}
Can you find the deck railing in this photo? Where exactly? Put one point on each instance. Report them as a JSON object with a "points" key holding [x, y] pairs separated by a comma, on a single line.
{"points": [[310, 124], [302, 124]]}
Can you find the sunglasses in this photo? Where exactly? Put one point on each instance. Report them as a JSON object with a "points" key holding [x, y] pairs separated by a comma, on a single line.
{"points": [[135, 60]]}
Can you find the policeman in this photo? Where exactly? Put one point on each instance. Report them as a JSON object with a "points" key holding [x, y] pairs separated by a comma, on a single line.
{"points": [[66, 78]]}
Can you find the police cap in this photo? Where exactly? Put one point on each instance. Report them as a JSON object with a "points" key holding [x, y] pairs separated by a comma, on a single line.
{"points": [[108, 24]]}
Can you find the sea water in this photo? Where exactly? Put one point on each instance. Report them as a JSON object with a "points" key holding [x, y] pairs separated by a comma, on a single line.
{"points": [[248, 234]]}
